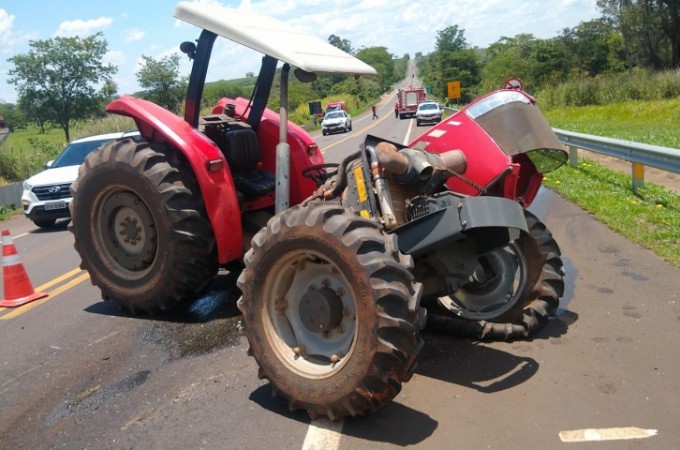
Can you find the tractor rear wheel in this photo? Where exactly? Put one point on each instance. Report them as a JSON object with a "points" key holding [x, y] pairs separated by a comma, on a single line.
{"points": [[515, 289], [140, 226], [331, 310]]}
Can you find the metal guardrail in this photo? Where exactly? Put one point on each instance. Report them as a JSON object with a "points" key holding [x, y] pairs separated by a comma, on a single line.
{"points": [[640, 155]]}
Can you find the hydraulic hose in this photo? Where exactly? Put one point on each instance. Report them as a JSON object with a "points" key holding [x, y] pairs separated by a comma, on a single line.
{"points": [[341, 177]]}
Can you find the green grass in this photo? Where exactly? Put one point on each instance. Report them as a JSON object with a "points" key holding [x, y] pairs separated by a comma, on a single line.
{"points": [[7, 212], [649, 122], [649, 217], [25, 151]]}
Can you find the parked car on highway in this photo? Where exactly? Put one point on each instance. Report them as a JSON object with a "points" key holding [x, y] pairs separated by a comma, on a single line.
{"points": [[336, 121], [46, 195], [428, 112]]}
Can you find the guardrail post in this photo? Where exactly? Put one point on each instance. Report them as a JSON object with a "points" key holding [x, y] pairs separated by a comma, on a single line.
{"points": [[573, 156], [638, 176]]}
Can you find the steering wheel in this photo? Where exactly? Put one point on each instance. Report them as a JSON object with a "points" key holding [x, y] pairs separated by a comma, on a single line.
{"points": [[319, 173]]}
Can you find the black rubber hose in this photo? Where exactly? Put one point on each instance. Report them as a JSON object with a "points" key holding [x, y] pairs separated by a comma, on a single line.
{"points": [[341, 177]]}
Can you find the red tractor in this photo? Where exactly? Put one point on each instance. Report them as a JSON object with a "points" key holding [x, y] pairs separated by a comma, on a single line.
{"points": [[342, 261]]}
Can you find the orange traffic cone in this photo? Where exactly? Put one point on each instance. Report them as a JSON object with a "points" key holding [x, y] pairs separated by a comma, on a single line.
{"points": [[17, 286]]}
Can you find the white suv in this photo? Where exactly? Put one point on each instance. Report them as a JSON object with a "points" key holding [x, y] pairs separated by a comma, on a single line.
{"points": [[428, 112], [47, 195], [337, 120]]}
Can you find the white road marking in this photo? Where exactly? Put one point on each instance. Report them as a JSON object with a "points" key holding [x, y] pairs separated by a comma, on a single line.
{"points": [[407, 138], [323, 434], [605, 434]]}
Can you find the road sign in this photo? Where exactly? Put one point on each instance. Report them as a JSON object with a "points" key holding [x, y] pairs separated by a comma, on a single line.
{"points": [[514, 83], [453, 88]]}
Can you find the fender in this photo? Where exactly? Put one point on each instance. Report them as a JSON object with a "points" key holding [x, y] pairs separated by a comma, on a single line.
{"points": [[479, 218], [159, 125]]}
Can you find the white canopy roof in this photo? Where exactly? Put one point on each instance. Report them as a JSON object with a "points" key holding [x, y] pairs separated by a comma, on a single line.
{"points": [[273, 38]]}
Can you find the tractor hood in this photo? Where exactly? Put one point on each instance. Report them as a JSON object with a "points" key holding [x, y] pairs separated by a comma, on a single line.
{"points": [[273, 38]]}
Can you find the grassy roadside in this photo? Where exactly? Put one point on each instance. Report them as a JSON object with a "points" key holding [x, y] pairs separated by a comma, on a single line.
{"points": [[650, 217], [650, 122]]}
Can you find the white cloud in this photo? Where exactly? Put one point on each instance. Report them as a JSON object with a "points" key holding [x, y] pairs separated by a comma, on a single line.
{"points": [[82, 27], [134, 35], [9, 37], [6, 23], [115, 58]]}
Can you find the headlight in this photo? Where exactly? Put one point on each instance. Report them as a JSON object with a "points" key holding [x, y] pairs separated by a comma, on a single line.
{"points": [[27, 186]]}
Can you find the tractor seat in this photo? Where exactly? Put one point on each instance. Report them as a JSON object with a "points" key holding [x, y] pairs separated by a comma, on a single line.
{"points": [[242, 150]]}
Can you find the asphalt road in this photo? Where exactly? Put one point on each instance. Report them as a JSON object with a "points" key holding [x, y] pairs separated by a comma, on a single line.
{"points": [[78, 373]]}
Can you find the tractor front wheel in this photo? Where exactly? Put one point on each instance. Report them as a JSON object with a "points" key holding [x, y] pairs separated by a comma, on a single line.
{"points": [[331, 311]]}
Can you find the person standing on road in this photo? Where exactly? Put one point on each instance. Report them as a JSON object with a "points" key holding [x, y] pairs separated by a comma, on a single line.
{"points": [[375, 116], [396, 109]]}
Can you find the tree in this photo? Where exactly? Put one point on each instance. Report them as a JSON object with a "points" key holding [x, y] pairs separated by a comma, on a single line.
{"points": [[451, 39], [670, 15], [589, 42], [508, 57], [161, 81], [381, 60], [63, 74], [342, 44], [33, 107], [452, 60], [109, 90], [650, 30]]}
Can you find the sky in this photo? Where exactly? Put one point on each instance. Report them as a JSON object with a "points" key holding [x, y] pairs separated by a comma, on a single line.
{"points": [[147, 27]]}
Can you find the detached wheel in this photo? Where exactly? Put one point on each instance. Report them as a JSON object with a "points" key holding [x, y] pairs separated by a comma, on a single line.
{"points": [[515, 290], [331, 310], [496, 288], [546, 276], [140, 226]]}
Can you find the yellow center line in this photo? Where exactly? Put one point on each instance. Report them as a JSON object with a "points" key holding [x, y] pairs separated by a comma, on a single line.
{"points": [[59, 279], [51, 294]]}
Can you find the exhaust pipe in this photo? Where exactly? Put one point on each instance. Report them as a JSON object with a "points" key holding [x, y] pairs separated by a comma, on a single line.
{"points": [[409, 166]]}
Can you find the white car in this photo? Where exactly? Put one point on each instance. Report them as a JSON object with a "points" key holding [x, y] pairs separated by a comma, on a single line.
{"points": [[428, 112], [336, 121], [47, 195]]}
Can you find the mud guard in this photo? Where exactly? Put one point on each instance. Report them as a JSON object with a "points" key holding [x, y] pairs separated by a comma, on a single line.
{"points": [[157, 124], [492, 221]]}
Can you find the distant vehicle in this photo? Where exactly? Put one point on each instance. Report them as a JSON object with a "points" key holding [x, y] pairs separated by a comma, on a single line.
{"points": [[46, 196], [336, 106], [315, 111], [428, 112], [408, 100], [335, 121]]}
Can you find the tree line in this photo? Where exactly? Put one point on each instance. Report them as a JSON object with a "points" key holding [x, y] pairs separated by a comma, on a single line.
{"points": [[57, 81], [62, 80], [630, 35]]}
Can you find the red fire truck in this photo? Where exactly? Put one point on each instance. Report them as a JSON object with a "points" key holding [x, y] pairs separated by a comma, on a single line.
{"points": [[408, 99]]}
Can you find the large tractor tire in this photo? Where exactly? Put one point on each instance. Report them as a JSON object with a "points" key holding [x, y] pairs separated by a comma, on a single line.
{"points": [[514, 292], [331, 310], [140, 226]]}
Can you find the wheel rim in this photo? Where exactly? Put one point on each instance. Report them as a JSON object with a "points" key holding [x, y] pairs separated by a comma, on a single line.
{"points": [[128, 232], [495, 287], [310, 317]]}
